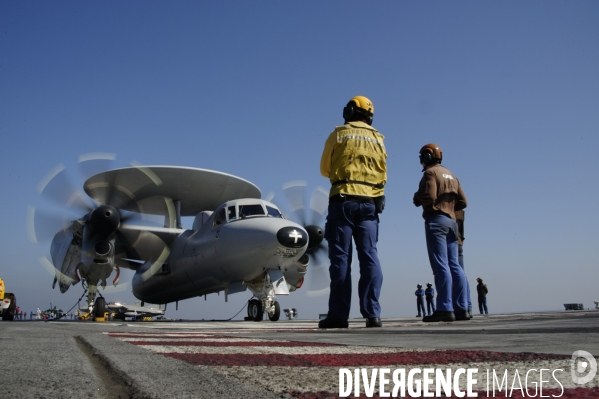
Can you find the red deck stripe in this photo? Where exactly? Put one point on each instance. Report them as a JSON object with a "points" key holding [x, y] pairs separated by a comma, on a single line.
{"points": [[154, 335], [569, 393], [212, 343], [228, 333], [351, 360]]}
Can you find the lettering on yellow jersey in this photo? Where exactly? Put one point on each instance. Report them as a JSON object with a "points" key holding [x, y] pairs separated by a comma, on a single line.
{"points": [[361, 138], [365, 138]]}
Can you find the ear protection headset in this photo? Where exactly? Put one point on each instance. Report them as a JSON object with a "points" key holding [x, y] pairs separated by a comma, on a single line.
{"points": [[426, 157], [349, 112]]}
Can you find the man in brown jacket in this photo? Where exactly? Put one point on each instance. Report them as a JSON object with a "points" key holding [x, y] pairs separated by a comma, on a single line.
{"points": [[440, 194]]}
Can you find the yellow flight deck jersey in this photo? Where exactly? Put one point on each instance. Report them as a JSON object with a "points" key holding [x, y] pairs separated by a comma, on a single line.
{"points": [[355, 152]]}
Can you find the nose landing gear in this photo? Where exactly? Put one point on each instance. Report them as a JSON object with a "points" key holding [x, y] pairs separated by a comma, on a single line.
{"points": [[256, 310], [265, 300]]}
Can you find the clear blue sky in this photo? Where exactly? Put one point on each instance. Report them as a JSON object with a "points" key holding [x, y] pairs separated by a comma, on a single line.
{"points": [[508, 89]]}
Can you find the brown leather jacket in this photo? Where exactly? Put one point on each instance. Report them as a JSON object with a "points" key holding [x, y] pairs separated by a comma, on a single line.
{"points": [[439, 191], [482, 289]]}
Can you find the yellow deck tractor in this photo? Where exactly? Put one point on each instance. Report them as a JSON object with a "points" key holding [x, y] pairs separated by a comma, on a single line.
{"points": [[8, 303]]}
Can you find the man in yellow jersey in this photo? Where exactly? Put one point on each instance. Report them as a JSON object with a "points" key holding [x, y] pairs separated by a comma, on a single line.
{"points": [[354, 160]]}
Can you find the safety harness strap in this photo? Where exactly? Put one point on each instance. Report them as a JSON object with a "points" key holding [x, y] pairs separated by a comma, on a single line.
{"points": [[345, 181]]}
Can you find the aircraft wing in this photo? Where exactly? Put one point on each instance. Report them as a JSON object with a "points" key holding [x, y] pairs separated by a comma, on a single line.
{"points": [[145, 312], [123, 310], [166, 234]]}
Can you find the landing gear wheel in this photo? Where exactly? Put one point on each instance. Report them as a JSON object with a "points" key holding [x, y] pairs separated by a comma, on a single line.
{"points": [[255, 310], [100, 307], [249, 316], [276, 313]]}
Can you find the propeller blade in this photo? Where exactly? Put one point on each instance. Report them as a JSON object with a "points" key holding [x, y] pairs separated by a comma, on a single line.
{"points": [[295, 193], [123, 188], [318, 269], [125, 244], [108, 191], [93, 163], [42, 225], [141, 218], [319, 204], [59, 188], [269, 197], [312, 220]]}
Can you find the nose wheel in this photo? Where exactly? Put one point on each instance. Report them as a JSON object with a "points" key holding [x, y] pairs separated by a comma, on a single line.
{"points": [[264, 299], [256, 311]]}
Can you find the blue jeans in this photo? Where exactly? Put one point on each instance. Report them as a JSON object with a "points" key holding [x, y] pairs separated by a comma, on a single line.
{"points": [[430, 303], [347, 220], [461, 261], [420, 306], [482, 304], [450, 280]]}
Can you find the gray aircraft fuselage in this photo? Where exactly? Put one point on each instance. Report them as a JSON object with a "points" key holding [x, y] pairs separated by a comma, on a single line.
{"points": [[214, 257]]}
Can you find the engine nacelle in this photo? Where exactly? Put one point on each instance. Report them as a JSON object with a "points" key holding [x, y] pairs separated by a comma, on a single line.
{"points": [[96, 248], [66, 254]]}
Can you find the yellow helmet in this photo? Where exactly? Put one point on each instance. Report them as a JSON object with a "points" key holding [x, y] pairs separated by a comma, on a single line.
{"points": [[359, 108], [363, 103]]}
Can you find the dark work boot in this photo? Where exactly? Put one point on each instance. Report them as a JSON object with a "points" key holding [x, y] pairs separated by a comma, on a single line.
{"points": [[439, 315], [462, 315], [332, 323], [374, 322]]}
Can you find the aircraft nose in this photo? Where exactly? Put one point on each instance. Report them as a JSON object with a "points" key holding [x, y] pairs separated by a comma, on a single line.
{"points": [[292, 237]]}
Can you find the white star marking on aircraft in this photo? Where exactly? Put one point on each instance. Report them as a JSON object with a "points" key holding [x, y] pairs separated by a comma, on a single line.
{"points": [[295, 235]]}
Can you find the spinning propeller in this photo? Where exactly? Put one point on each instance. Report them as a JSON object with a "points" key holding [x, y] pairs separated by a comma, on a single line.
{"points": [[312, 218], [90, 237]]}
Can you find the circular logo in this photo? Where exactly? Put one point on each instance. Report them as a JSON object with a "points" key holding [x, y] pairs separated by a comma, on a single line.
{"points": [[580, 367]]}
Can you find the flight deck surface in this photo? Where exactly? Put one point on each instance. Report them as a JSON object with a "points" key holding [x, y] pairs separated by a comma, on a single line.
{"points": [[245, 359]]}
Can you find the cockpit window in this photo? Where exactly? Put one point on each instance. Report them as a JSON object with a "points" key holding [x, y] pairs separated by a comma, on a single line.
{"points": [[231, 213], [220, 217], [273, 212], [250, 210]]}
